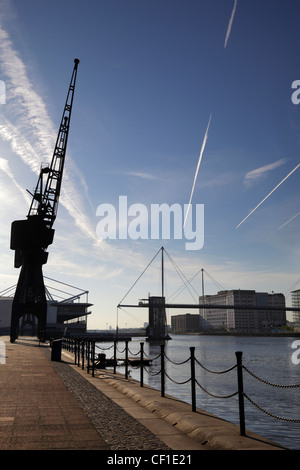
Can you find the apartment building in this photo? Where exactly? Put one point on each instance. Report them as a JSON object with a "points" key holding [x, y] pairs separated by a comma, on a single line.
{"points": [[186, 323], [295, 294], [248, 317]]}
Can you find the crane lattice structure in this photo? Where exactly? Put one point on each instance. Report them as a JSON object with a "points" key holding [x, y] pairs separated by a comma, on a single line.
{"points": [[31, 237]]}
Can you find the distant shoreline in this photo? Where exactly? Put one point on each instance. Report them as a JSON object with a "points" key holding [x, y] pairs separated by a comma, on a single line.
{"points": [[228, 333]]}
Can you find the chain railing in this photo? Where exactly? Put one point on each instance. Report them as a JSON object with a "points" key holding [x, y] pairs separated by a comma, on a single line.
{"points": [[85, 356]]}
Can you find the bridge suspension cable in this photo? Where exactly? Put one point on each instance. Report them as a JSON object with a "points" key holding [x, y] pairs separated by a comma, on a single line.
{"points": [[139, 277]]}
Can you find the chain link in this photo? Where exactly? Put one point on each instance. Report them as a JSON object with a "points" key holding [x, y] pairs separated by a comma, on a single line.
{"points": [[177, 363], [271, 414], [103, 349], [215, 396], [269, 383], [215, 372], [178, 383]]}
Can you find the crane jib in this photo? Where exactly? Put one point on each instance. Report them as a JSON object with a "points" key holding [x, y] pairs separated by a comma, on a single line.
{"points": [[46, 195]]}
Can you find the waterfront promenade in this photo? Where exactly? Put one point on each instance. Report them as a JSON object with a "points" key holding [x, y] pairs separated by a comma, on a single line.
{"points": [[48, 405]]}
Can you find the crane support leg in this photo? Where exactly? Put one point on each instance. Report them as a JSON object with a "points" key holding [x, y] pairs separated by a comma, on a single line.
{"points": [[30, 296]]}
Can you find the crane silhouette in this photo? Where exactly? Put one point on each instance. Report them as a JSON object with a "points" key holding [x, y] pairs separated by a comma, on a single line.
{"points": [[31, 237]]}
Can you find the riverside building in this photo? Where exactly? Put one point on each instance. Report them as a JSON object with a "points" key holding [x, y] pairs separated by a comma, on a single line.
{"points": [[185, 324], [296, 303], [245, 319]]}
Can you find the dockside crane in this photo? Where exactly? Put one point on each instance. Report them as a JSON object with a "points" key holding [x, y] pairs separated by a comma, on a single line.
{"points": [[31, 237]]}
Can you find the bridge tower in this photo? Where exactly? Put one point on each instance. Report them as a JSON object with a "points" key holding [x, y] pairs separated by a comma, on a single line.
{"points": [[157, 329]]}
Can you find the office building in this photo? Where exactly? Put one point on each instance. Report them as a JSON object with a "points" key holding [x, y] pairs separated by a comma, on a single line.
{"points": [[296, 303], [248, 318], [185, 324]]}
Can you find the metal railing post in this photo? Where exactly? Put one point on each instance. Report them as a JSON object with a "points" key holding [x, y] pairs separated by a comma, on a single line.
{"points": [[142, 366], [88, 356], [77, 351], [115, 355], [78, 355], [239, 355], [162, 371], [193, 378], [93, 358], [82, 353], [126, 359]]}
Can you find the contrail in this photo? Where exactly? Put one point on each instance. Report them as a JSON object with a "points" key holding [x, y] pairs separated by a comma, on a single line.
{"points": [[269, 194], [289, 220], [34, 124], [230, 23], [4, 166], [197, 169]]}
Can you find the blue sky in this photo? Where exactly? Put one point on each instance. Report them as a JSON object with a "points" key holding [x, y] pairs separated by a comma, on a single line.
{"points": [[152, 75]]}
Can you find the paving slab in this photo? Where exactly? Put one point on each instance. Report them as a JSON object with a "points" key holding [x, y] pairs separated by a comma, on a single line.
{"points": [[37, 411]]}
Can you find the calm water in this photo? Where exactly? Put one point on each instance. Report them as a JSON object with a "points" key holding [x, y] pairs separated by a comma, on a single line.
{"points": [[268, 358]]}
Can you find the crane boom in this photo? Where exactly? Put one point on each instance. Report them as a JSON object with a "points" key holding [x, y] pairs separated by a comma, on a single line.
{"points": [[31, 237], [46, 195]]}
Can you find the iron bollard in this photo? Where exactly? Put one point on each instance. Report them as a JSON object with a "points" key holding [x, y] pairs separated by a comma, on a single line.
{"points": [[193, 378], [75, 349], [115, 356], [162, 376], [241, 392], [142, 365], [93, 358], [78, 352], [126, 359], [82, 354], [88, 356]]}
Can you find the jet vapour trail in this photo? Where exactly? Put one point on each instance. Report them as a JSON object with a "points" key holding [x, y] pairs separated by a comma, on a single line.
{"points": [[34, 125], [282, 181], [230, 23], [289, 221], [197, 169]]}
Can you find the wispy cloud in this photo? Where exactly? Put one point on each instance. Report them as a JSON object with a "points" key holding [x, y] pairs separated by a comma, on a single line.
{"points": [[271, 192], [141, 174], [230, 23], [27, 127], [198, 166], [5, 168], [259, 173]]}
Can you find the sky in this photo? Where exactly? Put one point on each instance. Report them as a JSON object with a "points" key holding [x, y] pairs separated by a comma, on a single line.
{"points": [[192, 103]]}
